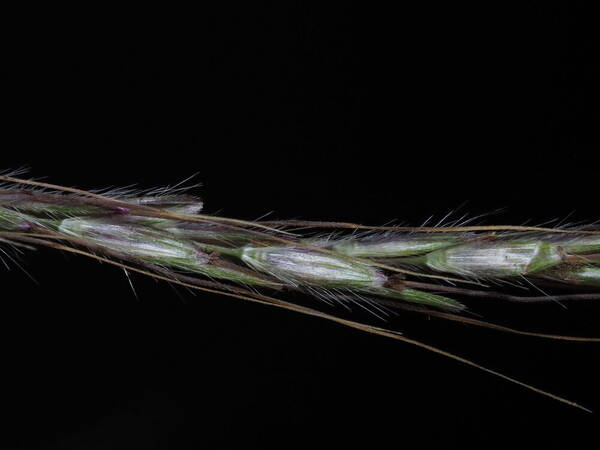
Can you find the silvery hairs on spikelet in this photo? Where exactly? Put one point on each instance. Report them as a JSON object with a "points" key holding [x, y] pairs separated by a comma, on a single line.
{"points": [[161, 233]]}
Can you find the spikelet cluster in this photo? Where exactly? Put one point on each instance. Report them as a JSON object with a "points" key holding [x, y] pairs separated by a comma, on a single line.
{"points": [[166, 230]]}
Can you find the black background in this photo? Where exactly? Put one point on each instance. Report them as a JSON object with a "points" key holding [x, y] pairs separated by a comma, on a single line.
{"points": [[306, 111]]}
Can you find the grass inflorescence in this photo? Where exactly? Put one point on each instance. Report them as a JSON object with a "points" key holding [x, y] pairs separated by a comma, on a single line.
{"points": [[434, 271]]}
